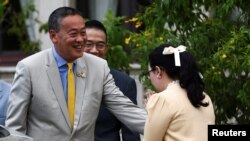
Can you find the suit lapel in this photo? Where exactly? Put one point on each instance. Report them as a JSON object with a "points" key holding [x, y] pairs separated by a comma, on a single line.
{"points": [[55, 81], [81, 74]]}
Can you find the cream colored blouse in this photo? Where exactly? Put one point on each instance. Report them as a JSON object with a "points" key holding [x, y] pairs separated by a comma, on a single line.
{"points": [[171, 117]]}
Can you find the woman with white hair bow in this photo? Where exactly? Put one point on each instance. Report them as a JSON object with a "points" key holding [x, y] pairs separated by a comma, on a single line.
{"points": [[180, 110]]}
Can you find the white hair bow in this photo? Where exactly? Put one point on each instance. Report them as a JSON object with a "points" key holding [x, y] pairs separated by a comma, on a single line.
{"points": [[176, 52]]}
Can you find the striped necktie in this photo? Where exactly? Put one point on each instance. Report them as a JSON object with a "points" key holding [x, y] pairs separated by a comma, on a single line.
{"points": [[71, 93]]}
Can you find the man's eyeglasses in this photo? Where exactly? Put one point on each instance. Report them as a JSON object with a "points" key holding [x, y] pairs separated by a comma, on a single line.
{"points": [[99, 45]]}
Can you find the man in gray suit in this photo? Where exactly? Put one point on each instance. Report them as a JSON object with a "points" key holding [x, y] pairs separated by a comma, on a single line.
{"points": [[38, 100]]}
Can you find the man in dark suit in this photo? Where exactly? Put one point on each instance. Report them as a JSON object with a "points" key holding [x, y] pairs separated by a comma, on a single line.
{"points": [[108, 127]]}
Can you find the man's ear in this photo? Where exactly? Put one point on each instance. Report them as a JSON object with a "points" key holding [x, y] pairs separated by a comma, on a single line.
{"points": [[52, 35]]}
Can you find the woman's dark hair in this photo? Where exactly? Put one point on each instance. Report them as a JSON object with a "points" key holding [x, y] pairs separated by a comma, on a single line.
{"points": [[58, 14], [187, 73]]}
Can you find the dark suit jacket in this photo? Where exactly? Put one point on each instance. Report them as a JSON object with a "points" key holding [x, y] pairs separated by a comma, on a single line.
{"points": [[107, 125]]}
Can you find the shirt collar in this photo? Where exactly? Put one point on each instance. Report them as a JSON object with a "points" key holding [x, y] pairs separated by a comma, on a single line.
{"points": [[60, 61]]}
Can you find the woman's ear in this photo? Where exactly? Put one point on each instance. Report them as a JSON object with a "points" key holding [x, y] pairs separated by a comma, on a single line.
{"points": [[158, 72]]}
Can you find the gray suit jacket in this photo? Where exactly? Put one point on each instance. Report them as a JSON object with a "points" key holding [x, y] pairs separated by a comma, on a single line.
{"points": [[37, 106], [10, 135]]}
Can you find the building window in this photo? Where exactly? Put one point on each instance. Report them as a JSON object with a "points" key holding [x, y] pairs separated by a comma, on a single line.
{"points": [[10, 49]]}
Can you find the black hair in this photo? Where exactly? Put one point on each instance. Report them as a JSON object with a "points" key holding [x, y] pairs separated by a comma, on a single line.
{"points": [[97, 25], [57, 15], [187, 73]]}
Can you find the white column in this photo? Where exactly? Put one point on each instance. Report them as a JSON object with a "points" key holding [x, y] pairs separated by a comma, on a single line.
{"points": [[134, 73]]}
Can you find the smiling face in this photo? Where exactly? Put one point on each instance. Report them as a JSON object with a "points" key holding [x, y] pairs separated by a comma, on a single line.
{"points": [[96, 42], [69, 40]]}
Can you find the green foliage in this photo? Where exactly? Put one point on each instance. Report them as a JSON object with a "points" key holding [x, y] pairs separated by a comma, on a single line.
{"points": [[2, 9], [117, 56], [217, 33], [228, 75]]}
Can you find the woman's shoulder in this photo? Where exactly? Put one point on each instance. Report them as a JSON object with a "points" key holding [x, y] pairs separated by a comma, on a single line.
{"points": [[161, 99]]}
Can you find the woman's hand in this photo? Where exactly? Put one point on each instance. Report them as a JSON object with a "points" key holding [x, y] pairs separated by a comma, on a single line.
{"points": [[147, 95]]}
